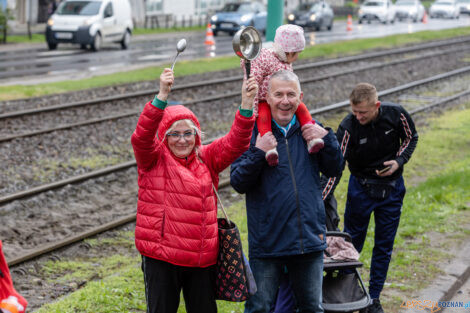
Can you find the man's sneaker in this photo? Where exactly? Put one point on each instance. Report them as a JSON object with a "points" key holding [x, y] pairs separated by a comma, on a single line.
{"points": [[272, 157], [315, 145], [375, 307]]}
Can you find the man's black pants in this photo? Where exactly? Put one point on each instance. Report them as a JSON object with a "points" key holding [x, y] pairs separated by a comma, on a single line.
{"points": [[164, 281]]}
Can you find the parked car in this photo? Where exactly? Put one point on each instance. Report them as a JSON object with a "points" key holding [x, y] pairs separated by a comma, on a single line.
{"points": [[464, 6], [380, 10], [90, 22], [444, 9], [314, 14], [235, 15], [409, 9]]}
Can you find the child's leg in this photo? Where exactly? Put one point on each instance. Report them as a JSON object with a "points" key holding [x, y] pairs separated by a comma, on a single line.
{"points": [[302, 113], [264, 118], [264, 125]]}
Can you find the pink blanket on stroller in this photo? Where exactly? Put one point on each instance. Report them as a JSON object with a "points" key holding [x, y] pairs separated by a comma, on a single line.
{"points": [[340, 250]]}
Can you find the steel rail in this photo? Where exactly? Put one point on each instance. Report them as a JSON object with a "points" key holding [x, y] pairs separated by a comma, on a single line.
{"points": [[224, 96], [224, 183], [147, 92]]}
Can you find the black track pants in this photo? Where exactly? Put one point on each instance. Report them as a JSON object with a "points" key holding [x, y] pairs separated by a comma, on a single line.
{"points": [[164, 281]]}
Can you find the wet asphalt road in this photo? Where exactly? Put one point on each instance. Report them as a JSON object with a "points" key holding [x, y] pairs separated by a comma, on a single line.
{"points": [[36, 64]]}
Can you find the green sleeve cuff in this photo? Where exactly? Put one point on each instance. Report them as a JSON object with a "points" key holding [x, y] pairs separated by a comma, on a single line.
{"points": [[246, 113], [159, 103]]}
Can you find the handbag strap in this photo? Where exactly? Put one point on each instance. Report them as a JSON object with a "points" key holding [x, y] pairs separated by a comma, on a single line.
{"points": [[221, 205]]}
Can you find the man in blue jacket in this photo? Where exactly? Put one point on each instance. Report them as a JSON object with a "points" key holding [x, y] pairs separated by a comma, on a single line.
{"points": [[286, 216]]}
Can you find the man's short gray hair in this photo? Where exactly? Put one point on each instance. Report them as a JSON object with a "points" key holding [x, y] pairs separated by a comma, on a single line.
{"points": [[285, 75]]}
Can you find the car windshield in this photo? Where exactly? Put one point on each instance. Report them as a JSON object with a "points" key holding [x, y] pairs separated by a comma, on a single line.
{"points": [[79, 8], [374, 4], [464, 1], [443, 2], [308, 6], [405, 3], [237, 7]]}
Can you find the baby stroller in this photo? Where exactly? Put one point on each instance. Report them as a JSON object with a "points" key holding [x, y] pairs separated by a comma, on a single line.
{"points": [[343, 288]]}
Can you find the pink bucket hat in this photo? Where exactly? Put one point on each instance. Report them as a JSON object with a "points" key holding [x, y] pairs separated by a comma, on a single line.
{"points": [[290, 38]]}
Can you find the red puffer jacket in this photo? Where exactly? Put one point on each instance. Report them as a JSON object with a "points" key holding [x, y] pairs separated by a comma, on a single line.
{"points": [[177, 207]]}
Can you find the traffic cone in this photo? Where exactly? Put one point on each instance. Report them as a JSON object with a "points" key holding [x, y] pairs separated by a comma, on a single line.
{"points": [[425, 18], [349, 23], [209, 36]]}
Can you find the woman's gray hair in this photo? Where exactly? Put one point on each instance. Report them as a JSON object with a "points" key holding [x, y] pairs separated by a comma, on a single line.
{"points": [[188, 123], [285, 75]]}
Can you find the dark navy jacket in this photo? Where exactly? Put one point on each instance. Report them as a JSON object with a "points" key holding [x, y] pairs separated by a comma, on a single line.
{"points": [[284, 204]]}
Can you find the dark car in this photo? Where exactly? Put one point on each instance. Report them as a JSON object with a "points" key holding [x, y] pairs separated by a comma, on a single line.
{"points": [[313, 14], [235, 15]]}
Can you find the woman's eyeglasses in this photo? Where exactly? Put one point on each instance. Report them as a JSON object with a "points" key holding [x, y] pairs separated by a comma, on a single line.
{"points": [[177, 136]]}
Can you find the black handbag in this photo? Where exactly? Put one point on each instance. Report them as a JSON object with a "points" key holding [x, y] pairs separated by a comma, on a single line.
{"points": [[234, 279]]}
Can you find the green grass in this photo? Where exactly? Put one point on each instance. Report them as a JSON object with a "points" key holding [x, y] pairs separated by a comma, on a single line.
{"points": [[35, 38], [439, 204], [146, 31], [223, 63]]}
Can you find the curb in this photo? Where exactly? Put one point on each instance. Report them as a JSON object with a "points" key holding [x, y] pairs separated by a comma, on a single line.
{"points": [[444, 287]]}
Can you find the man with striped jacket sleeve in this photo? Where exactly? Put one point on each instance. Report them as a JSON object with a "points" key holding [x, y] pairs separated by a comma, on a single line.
{"points": [[376, 140]]}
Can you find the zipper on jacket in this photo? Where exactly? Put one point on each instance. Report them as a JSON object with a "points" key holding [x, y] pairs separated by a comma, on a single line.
{"points": [[296, 198]]}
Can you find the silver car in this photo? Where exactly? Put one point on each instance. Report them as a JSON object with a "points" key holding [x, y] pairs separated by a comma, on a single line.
{"points": [[444, 9], [380, 10], [464, 6], [409, 9]]}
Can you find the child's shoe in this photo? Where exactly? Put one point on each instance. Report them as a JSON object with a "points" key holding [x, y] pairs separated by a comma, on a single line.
{"points": [[272, 157], [315, 145]]}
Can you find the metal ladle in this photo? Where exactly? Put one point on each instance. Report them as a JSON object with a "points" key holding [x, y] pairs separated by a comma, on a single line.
{"points": [[180, 46]]}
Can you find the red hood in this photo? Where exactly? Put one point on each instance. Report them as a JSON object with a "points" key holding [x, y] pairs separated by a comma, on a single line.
{"points": [[175, 113]]}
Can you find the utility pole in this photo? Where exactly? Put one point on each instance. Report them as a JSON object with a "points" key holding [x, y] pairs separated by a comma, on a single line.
{"points": [[275, 18]]}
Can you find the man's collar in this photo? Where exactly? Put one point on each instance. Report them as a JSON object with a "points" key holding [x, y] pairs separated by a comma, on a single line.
{"points": [[285, 129]]}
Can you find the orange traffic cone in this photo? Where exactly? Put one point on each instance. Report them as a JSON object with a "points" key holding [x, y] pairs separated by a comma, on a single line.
{"points": [[349, 23], [209, 36], [425, 18]]}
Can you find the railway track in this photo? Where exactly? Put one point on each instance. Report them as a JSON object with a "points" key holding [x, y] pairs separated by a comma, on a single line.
{"points": [[34, 253], [367, 57], [219, 97]]}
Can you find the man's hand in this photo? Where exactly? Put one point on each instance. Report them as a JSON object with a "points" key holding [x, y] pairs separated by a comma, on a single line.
{"points": [[249, 92], [393, 167], [313, 131], [166, 81], [266, 142]]}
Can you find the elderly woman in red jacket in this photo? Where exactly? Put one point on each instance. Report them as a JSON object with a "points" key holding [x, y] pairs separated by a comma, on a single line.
{"points": [[176, 228]]}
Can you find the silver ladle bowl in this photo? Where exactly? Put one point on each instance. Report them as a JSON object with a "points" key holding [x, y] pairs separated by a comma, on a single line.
{"points": [[180, 46]]}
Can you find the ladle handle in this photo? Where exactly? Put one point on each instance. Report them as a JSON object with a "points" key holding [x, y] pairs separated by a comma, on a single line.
{"points": [[247, 68], [174, 61]]}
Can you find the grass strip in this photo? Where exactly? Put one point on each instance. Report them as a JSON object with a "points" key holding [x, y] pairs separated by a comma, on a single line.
{"points": [[199, 66], [438, 203]]}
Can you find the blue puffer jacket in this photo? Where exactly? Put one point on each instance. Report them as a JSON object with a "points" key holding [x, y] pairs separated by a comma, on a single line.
{"points": [[284, 204]]}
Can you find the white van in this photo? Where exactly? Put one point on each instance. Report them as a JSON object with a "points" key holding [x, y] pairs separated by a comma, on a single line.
{"points": [[90, 22]]}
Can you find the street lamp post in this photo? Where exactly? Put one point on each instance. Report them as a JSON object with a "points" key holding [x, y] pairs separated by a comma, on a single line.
{"points": [[275, 18]]}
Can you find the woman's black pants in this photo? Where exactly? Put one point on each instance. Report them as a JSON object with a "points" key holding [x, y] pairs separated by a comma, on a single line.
{"points": [[164, 281]]}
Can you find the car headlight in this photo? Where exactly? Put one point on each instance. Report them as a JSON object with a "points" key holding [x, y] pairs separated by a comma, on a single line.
{"points": [[313, 17], [468, 7], [88, 21], [360, 11], [214, 18], [291, 17], [50, 22], [245, 18], [413, 11]]}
